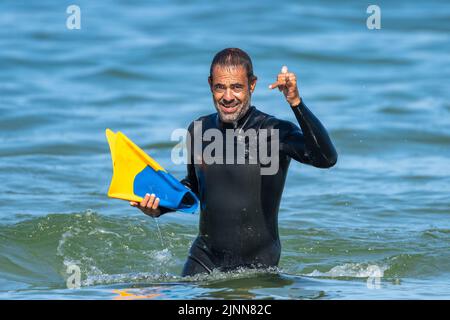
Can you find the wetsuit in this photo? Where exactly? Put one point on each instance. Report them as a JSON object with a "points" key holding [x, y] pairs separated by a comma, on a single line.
{"points": [[239, 205]]}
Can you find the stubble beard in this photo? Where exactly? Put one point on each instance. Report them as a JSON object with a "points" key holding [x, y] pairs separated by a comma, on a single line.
{"points": [[233, 117]]}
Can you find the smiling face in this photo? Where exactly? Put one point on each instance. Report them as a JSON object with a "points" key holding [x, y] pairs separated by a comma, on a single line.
{"points": [[231, 91]]}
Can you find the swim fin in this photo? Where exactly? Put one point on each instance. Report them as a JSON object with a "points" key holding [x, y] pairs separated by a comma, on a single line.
{"points": [[135, 174]]}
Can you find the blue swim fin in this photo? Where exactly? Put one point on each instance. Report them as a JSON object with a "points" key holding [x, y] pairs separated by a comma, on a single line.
{"points": [[135, 174]]}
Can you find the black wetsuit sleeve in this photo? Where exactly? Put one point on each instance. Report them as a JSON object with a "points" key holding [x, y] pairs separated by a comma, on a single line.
{"points": [[190, 180], [165, 210], [310, 145]]}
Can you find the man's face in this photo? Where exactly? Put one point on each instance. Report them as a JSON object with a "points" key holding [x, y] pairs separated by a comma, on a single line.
{"points": [[231, 92]]}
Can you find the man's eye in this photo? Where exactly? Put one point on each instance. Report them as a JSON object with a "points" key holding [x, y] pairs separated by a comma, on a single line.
{"points": [[237, 88], [219, 87]]}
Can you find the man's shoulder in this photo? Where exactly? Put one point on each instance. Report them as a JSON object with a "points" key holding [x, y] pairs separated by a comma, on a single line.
{"points": [[209, 118], [272, 122]]}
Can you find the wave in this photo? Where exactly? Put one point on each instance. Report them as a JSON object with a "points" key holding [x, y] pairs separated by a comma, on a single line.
{"points": [[111, 250], [97, 244], [351, 270], [392, 268]]}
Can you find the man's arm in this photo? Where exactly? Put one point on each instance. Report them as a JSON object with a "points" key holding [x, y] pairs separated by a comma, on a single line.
{"points": [[190, 180], [310, 145]]}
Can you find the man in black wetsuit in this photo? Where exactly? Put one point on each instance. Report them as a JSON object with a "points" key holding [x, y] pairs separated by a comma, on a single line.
{"points": [[239, 204]]}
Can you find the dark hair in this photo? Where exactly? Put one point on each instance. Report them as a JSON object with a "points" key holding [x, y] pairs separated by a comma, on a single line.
{"points": [[233, 57]]}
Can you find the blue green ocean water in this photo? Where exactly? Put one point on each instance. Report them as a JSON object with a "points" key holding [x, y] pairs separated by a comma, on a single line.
{"points": [[141, 67]]}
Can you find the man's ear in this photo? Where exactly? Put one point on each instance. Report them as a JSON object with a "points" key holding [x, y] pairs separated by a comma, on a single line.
{"points": [[253, 84], [210, 82]]}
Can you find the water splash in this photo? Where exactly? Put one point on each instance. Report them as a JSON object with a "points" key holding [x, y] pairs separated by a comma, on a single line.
{"points": [[152, 278], [349, 270], [159, 232]]}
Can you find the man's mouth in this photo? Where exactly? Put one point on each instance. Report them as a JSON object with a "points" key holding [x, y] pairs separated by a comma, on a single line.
{"points": [[229, 108]]}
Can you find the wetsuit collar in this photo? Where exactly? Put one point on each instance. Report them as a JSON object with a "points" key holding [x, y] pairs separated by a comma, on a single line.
{"points": [[234, 125]]}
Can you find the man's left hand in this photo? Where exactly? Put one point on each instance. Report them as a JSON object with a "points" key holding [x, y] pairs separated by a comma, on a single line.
{"points": [[287, 82]]}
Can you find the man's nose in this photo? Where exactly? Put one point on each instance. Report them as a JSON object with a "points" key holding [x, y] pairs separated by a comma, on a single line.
{"points": [[228, 96]]}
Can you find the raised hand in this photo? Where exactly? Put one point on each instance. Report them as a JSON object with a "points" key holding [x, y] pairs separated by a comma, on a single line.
{"points": [[287, 83]]}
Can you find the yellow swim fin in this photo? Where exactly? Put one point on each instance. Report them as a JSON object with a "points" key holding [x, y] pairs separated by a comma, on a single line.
{"points": [[135, 174]]}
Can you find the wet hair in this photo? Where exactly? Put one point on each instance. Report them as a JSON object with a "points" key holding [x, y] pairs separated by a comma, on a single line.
{"points": [[233, 57]]}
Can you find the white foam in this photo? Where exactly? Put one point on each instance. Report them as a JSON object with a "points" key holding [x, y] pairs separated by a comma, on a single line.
{"points": [[351, 270]]}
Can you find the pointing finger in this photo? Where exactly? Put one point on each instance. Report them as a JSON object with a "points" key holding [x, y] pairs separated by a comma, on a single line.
{"points": [[282, 78], [275, 85]]}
